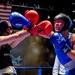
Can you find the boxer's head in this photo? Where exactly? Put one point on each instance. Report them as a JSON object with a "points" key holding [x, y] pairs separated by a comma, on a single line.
{"points": [[62, 22], [4, 28]]}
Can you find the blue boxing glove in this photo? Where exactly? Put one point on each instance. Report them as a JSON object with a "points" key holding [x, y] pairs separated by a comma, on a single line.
{"points": [[17, 20], [59, 42]]}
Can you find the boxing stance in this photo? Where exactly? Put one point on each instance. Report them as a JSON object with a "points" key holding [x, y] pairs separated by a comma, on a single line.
{"points": [[63, 41], [9, 40]]}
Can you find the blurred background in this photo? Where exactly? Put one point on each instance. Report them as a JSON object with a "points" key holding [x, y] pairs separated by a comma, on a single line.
{"points": [[36, 51]]}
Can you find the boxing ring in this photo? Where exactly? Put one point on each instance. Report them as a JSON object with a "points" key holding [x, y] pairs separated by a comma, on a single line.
{"points": [[38, 68]]}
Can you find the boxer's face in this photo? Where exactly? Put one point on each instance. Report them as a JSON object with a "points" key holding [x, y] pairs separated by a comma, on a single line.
{"points": [[58, 25], [8, 32]]}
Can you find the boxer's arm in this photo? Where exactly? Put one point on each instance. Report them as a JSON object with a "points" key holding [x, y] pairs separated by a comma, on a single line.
{"points": [[60, 42], [17, 20], [46, 35], [20, 39], [71, 54], [14, 38]]}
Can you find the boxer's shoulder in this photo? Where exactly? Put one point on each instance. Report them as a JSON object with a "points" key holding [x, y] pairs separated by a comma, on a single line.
{"points": [[73, 38]]}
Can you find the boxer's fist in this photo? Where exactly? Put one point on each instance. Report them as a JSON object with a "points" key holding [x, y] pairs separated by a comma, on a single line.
{"points": [[34, 31], [32, 16], [44, 27], [59, 42], [18, 20]]}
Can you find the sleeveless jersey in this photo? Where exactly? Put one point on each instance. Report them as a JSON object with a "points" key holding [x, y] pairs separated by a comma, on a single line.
{"points": [[63, 58]]}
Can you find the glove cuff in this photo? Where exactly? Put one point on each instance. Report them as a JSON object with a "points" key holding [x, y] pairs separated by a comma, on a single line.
{"points": [[25, 28]]}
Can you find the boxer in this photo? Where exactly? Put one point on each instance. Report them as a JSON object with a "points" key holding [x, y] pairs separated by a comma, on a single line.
{"points": [[63, 41]]}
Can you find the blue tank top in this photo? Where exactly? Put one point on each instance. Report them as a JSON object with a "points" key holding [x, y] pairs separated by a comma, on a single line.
{"points": [[63, 58]]}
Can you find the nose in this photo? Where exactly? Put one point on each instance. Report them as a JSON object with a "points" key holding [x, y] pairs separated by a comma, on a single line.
{"points": [[57, 24]]}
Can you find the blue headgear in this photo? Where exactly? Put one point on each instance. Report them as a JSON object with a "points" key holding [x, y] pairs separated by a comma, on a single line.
{"points": [[66, 19]]}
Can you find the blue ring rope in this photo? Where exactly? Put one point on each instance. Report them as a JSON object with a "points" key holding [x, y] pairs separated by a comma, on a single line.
{"points": [[39, 68], [28, 67]]}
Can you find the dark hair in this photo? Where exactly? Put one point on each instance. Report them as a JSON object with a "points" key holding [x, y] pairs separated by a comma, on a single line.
{"points": [[3, 26]]}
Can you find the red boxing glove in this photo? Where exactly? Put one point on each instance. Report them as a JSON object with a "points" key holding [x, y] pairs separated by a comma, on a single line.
{"points": [[32, 16], [34, 31], [45, 27]]}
